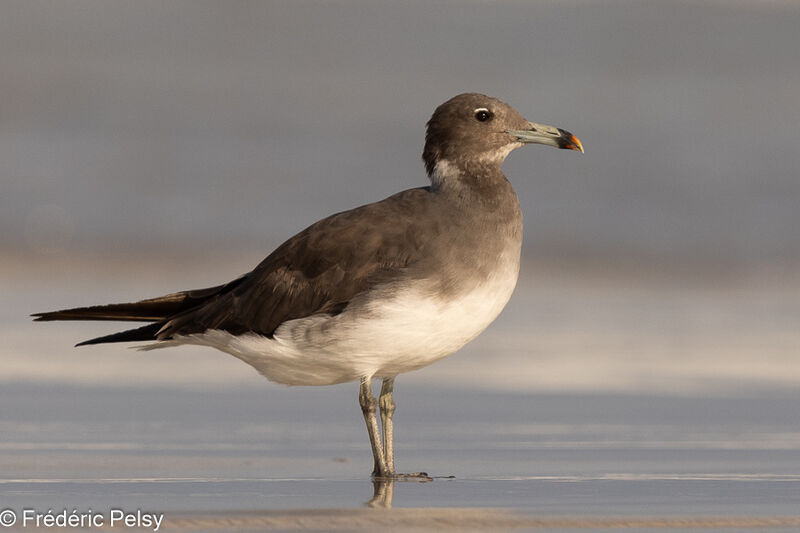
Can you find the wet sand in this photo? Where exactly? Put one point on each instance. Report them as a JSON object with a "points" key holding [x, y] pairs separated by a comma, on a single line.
{"points": [[600, 400], [296, 459], [451, 520]]}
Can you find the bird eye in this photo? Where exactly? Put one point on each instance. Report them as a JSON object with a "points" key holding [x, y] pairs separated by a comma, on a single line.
{"points": [[482, 114]]}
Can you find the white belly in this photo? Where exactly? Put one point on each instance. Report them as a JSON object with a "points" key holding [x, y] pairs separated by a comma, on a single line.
{"points": [[403, 331]]}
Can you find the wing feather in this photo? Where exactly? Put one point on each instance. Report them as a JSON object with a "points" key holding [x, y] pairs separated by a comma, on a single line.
{"points": [[319, 270]]}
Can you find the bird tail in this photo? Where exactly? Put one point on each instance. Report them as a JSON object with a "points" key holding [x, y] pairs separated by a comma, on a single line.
{"points": [[144, 333], [142, 311], [156, 310]]}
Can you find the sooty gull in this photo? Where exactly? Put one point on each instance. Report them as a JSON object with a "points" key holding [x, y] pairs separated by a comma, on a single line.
{"points": [[376, 291]]}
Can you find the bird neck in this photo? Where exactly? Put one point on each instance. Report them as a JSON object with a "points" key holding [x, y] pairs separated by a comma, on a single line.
{"points": [[474, 176], [481, 190]]}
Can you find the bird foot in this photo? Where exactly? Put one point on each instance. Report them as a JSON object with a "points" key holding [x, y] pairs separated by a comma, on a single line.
{"points": [[421, 477]]}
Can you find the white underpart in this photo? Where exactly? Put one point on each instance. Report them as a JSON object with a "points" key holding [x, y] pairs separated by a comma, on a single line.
{"points": [[396, 331]]}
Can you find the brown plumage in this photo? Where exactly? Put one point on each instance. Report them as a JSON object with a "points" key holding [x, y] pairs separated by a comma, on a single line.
{"points": [[319, 270], [376, 291]]}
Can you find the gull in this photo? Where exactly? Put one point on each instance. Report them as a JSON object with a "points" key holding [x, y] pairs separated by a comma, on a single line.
{"points": [[376, 291]]}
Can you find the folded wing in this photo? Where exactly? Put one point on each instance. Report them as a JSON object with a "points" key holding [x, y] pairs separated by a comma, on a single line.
{"points": [[319, 270]]}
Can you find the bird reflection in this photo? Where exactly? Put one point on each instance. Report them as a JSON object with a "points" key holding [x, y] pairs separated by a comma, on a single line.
{"points": [[383, 492], [383, 489]]}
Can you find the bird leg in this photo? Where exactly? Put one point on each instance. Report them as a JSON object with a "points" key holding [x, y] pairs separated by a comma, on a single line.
{"points": [[387, 406], [382, 442], [368, 405]]}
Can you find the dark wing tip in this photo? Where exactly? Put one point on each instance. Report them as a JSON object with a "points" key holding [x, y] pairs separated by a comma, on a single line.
{"points": [[144, 333], [97, 340]]}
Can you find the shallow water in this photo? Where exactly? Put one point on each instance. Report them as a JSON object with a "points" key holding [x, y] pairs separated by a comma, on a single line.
{"points": [[596, 395], [201, 451]]}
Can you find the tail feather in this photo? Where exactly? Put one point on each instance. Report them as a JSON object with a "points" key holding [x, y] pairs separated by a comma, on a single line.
{"points": [[143, 311], [144, 333], [149, 310], [156, 310]]}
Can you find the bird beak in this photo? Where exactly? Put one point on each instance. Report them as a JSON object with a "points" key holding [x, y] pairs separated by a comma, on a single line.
{"points": [[549, 135]]}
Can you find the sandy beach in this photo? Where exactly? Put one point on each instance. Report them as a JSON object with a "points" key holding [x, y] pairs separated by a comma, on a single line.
{"points": [[244, 460], [452, 520], [598, 401]]}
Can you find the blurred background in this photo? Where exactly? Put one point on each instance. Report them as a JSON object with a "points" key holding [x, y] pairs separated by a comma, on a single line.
{"points": [[148, 147]]}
